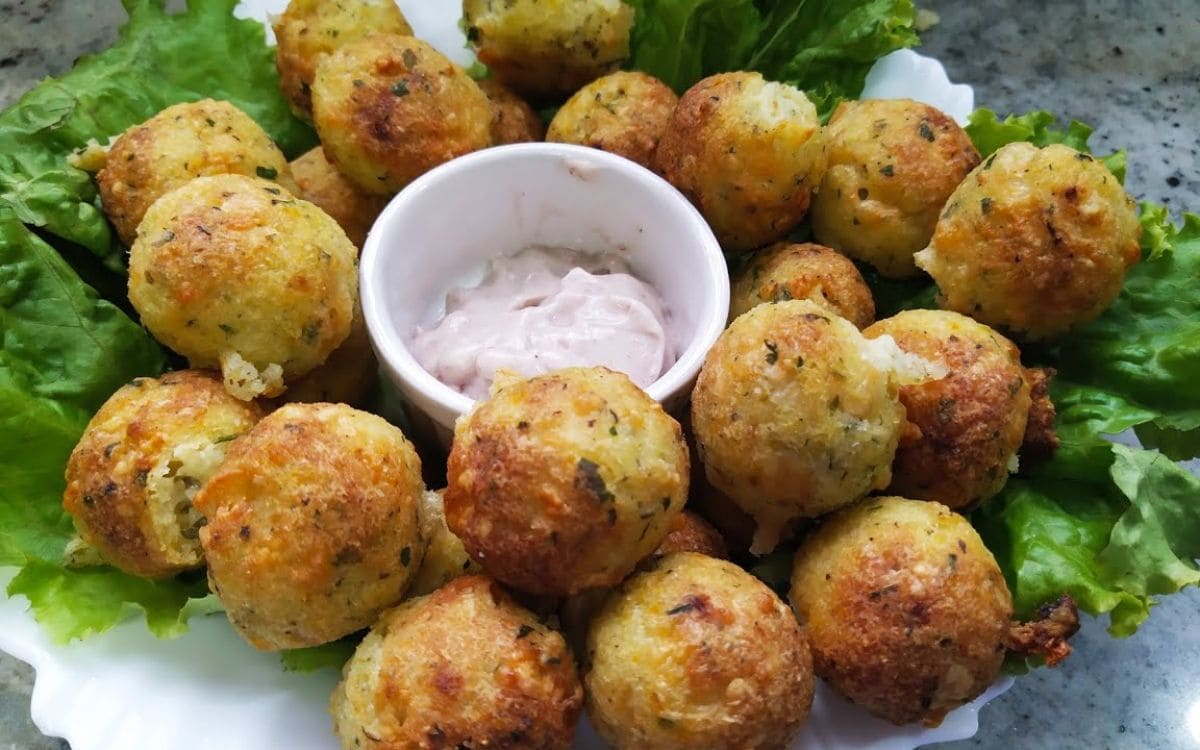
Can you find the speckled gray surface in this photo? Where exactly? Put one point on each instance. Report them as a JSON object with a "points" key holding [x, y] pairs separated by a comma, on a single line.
{"points": [[1128, 67]]}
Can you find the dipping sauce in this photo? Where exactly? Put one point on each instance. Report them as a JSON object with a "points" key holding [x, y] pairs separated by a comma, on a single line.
{"points": [[543, 309]]}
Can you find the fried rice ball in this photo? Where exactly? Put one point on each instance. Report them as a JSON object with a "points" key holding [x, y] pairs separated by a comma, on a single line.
{"points": [[624, 112], [969, 424], [233, 272], [513, 120], [797, 414], [906, 609], [181, 143], [696, 652], [347, 376], [319, 183], [313, 525], [310, 29], [133, 474], [547, 48], [892, 165], [564, 481], [747, 153], [445, 556], [816, 273], [1035, 240], [464, 667], [389, 108]]}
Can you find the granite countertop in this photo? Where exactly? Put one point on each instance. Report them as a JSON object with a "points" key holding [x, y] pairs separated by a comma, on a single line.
{"points": [[1129, 68]]}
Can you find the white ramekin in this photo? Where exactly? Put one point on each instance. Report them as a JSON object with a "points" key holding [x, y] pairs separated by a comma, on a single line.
{"points": [[441, 230]]}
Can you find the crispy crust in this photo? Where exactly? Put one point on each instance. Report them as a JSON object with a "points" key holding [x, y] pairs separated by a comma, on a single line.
{"points": [[229, 263], [694, 653], [969, 424], [389, 108], [1041, 439], [748, 155], [313, 526], [691, 533], [465, 667], [181, 143], [892, 165], [1036, 241], [308, 30], [565, 481], [906, 609], [445, 556], [816, 273], [625, 113], [513, 120], [114, 490], [791, 419]]}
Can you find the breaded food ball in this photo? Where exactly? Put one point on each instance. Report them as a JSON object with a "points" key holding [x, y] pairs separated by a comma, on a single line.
{"points": [[310, 29], [970, 423], [625, 113], [696, 652], [465, 667], [177, 145], [564, 481], [233, 272], [390, 108], [319, 183], [547, 48], [1035, 240], [513, 120], [892, 165], [747, 153], [312, 525], [691, 533], [906, 610], [445, 556], [133, 474], [816, 273], [796, 414]]}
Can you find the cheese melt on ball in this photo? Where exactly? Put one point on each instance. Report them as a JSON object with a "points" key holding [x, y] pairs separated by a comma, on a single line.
{"points": [[543, 309]]}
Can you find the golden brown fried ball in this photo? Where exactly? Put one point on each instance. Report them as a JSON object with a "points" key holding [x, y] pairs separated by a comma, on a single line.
{"points": [[906, 610], [892, 165], [181, 143], [389, 108], [547, 48], [816, 273], [312, 525], [310, 29], [445, 556], [465, 667], [691, 533], [233, 272], [969, 424], [624, 112], [319, 183], [747, 153], [564, 481], [513, 120], [1034, 240], [132, 476], [796, 414], [696, 652], [347, 376]]}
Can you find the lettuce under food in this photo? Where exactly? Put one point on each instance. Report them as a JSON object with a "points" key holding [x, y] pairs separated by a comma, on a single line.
{"points": [[160, 59], [825, 47]]}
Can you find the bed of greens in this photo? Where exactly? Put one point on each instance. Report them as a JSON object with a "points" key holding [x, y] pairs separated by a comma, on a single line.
{"points": [[1112, 525]]}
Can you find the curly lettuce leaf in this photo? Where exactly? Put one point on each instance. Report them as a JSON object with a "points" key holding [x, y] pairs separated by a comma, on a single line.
{"points": [[825, 47], [160, 59], [988, 132]]}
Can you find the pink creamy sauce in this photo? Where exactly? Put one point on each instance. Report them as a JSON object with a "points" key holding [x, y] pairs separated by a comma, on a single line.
{"points": [[546, 308]]}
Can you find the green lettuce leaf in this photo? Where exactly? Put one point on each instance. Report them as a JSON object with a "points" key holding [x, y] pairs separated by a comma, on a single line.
{"points": [[160, 59], [825, 47], [327, 656], [988, 132]]}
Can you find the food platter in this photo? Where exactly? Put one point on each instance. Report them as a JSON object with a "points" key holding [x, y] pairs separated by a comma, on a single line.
{"points": [[125, 688]]}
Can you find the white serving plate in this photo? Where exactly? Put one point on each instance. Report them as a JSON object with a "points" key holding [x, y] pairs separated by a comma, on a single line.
{"points": [[208, 690]]}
